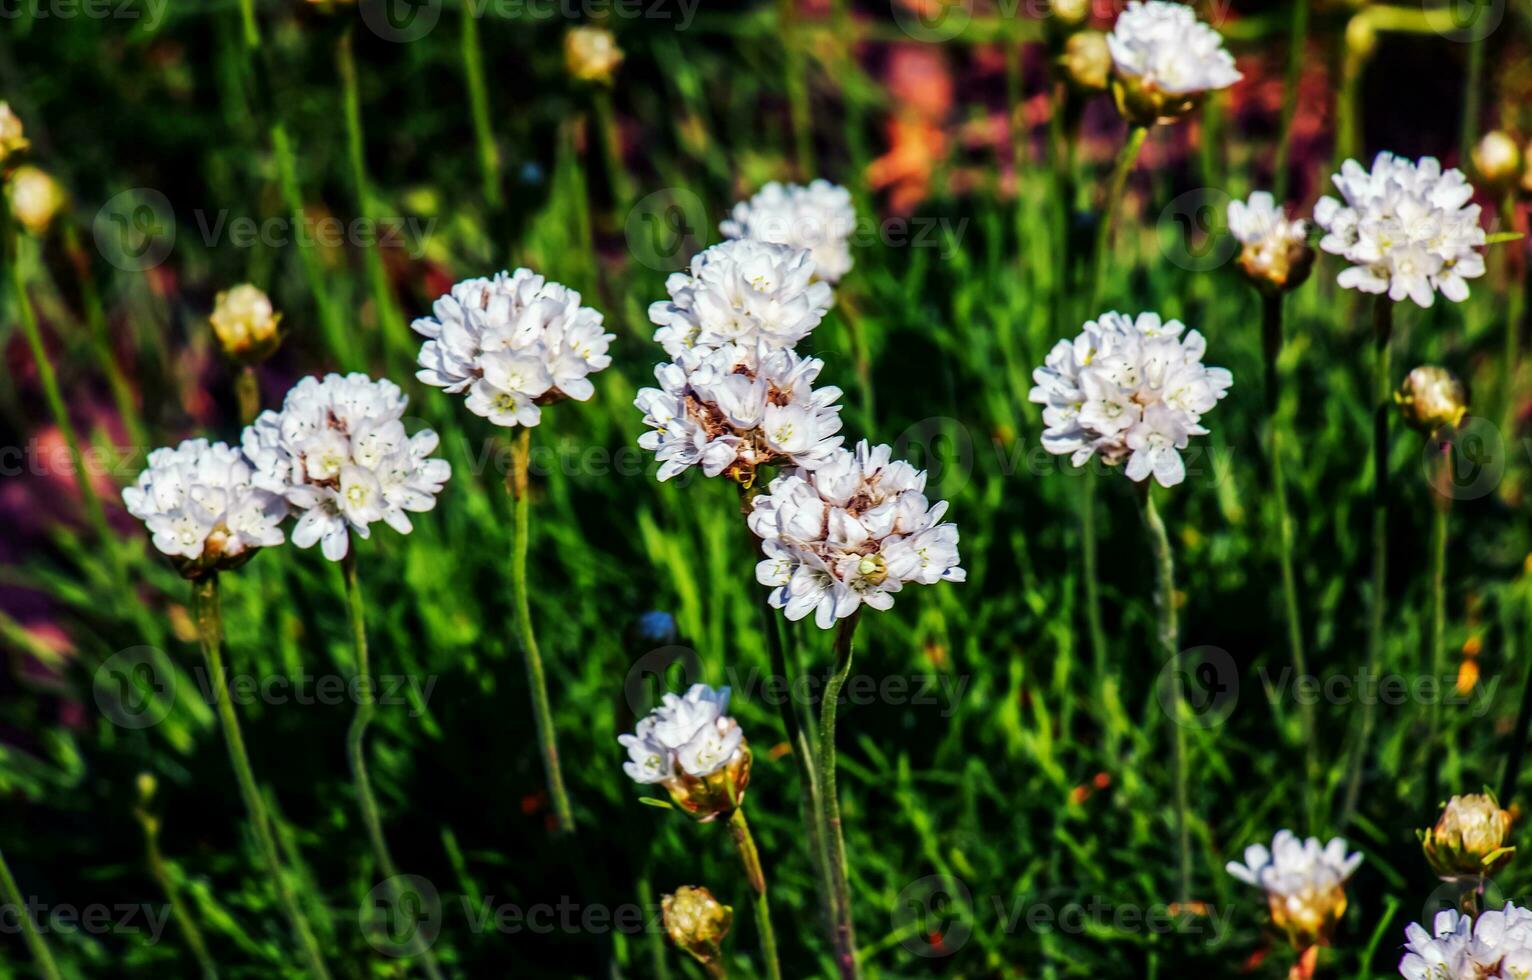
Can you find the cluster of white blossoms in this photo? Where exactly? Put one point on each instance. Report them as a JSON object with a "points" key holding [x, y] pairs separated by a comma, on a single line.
{"points": [[1406, 228], [514, 343], [741, 292], [818, 218], [1274, 251], [1496, 944], [736, 395], [1128, 389], [855, 530], [338, 452], [691, 735], [1304, 882], [1163, 48], [201, 506]]}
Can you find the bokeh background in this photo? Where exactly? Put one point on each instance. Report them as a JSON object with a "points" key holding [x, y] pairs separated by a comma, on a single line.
{"points": [[987, 780]]}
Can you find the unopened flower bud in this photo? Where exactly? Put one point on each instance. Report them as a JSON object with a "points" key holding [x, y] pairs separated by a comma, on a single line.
{"points": [[36, 198], [1432, 397], [12, 139], [1087, 61], [1468, 841], [591, 54], [1497, 159], [717, 794], [246, 323], [1070, 13], [697, 922], [147, 785]]}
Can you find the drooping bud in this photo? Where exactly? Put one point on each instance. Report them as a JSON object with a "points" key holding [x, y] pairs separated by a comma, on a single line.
{"points": [[246, 323], [1497, 159], [591, 54], [12, 139], [1087, 61], [697, 922], [35, 198], [1468, 840], [1432, 397]]}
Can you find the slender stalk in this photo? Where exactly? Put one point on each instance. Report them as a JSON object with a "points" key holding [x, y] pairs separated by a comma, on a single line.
{"points": [[1168, 638], [1297, 34], [1516, 748], [739, 829], [161, 874], [1271, 338], [537, 681], [799, 110], [1511, 260], [478, 103], [1094, 626], [207, 606], [611, 148], [356, 753], [35, 942], [247, 393], [1441, 510], [861, 357], [835, 842], [1113, 204], [101, 344], [1472, 88], [1383, 329]]}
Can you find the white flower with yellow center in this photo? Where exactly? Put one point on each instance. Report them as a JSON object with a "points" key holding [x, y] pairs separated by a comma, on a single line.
{"points": [[1304, 882], [1496, 944], [338, 452]]}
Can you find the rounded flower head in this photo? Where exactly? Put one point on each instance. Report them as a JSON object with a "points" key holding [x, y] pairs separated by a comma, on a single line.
{"points": [[734, 408], [35, 198], [514, 343], [1087, 61], [591, 54], [1468, 840], [202, 507], [1165, 61], [1496, 944], [12, 138], [245, 323], [1497, 159], [1432, 397], [1304, 882], [742, 292], [1406, 228], [697, 922], [693, 748], [818, 218], [1274, 253], [1128, 390], [339, 453], [854, 531]]}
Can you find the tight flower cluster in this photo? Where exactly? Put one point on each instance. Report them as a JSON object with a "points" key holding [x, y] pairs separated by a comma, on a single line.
{"points": [[818, 218], [338, 452], [736, 395], [1407, 229], [856, 530], [1304, 882], [1496, 944], [1129, 390], [1165, 59], [514, 343], [201, 506], [691, 746], [1274, 251]]}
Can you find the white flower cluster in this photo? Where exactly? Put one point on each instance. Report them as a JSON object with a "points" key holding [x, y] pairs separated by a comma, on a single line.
{"points": [[818, 217], [736, 395], [1294, 867], [1496, 944], [1165, 48], [1258, 223], [1130, 390], [855, 530], [1406, 228], [338, 452], [514, 343], [199, 502], [692, 736], [740, 292]]}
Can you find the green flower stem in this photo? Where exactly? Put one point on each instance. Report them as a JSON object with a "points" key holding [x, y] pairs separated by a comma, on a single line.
{"points": [[861, 357], [1512, 258], [35, 941], [1297, 34], [207, 606], [611, 148], [739, 829], [247, 393], [161, 874], [1510, 775], [799, 110], [537, 682], [356, 752], [1383, 329], [101, 345], [835, 842], [1271, 340], [1169, 641], [478, 103], [1107, 230], [1441, 511]]}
